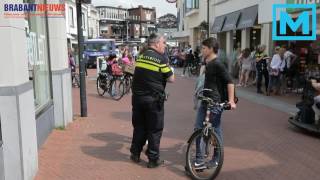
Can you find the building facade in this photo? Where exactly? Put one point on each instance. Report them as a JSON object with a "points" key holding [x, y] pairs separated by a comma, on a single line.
{"points": [[122, 24], [112, 21], [35, 58], [246, 24], [71, 25], [146, 22], [191, 16], [93, 22]]}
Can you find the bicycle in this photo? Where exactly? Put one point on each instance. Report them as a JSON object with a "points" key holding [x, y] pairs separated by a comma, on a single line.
{"points": [[127, 82], [193, 69], [75, 80], [111, 84], [205, 144]]}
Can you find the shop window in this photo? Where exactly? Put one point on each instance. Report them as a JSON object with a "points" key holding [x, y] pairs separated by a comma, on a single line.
{"points": [[71, 17], [38, 58]]}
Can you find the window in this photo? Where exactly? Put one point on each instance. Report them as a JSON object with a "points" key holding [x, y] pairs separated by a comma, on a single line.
{"points": [[191, 4], [71, 17], [83, 21], [104, 31], [38, 59], [98, 47]]}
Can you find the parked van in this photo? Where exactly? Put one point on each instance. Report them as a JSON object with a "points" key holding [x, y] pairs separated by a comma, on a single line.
{"points": [[94, 48]]}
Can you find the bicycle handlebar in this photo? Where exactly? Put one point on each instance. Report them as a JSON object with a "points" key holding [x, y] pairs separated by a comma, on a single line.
{"points": [[200, 96]]}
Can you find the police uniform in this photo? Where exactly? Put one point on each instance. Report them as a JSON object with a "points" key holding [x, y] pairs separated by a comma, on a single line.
{"points": [[148, 87], [262, 69]]}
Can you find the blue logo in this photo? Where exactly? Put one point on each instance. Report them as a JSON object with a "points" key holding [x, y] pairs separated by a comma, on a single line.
{"points": [[301, 21]]}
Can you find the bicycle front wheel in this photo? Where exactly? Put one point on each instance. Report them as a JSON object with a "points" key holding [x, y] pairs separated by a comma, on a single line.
{"points": [[101, 86], [204, 157]]}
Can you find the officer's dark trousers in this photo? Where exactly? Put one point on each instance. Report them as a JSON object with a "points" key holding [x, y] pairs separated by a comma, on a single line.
{"points": [[261, 74], [147, 121]]}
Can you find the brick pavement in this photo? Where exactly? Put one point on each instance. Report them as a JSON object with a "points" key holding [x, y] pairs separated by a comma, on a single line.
{"points": [[259, 142]]}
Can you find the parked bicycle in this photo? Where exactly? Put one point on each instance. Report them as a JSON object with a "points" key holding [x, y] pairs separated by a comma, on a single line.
{"points": [[112, 84], [127, 81], [193, 69], [205, 144], [75, 80]]}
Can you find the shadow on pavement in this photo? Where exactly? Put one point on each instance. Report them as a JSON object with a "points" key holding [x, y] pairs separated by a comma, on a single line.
{"points": [[117, 149]]}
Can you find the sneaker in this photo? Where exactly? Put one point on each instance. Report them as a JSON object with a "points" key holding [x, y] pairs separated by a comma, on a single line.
{"points": [[200, 166], [212, 164], [135, 158], [155, 163], [259, 92]]}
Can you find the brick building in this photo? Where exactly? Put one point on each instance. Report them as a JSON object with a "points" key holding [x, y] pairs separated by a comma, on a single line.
{"points": [[122, 24]]}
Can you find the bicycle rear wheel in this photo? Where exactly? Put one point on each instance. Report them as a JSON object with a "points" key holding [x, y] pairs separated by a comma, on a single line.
{"points": [[204, 157], [117, 89]]}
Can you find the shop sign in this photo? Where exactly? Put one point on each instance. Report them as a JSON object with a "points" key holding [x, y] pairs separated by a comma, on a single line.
{"points": [[23, 10], [289, 10], [301, 21]]}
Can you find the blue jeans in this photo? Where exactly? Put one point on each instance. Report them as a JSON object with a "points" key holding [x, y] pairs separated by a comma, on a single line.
{"points": [[274, 81], [215, 120]]}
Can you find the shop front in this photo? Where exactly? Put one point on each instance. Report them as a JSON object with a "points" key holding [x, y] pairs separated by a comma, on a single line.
{"points": [[30, 107], [307, 51], [238, 29]]}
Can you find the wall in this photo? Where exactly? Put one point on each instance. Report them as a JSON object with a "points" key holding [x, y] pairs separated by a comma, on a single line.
{"points": [[265, 10], [19, 154], [200, 15]]}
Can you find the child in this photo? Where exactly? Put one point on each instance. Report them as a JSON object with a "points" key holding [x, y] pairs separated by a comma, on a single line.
{"points": [[114, 67]]}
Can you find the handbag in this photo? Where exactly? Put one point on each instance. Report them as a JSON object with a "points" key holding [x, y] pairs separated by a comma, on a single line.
{"points": [[274, 72]]}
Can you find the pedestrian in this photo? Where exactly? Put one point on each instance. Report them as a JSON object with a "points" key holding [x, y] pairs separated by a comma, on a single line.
{"points": [[148, 95], [188, 62], [262, 68], [72, 64], [246, 64], [276, 67], [219, 81]]}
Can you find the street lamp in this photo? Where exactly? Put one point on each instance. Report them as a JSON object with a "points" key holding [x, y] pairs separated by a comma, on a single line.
{"points": [[83, 97]]}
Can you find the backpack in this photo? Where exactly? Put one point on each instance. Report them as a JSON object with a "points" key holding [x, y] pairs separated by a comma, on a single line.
{"points": [[116, 70], [225, 96]]}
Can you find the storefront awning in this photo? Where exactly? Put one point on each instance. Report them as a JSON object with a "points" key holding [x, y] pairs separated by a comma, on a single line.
{"points": [[217, 24], [248, 17], [231, 21]]}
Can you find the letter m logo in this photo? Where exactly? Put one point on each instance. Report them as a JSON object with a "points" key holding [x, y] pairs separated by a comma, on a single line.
{"points": [[285, 20]]}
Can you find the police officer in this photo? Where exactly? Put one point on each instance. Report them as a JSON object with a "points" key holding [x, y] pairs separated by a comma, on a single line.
{"points": [[148, 87], [262, 70]]}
